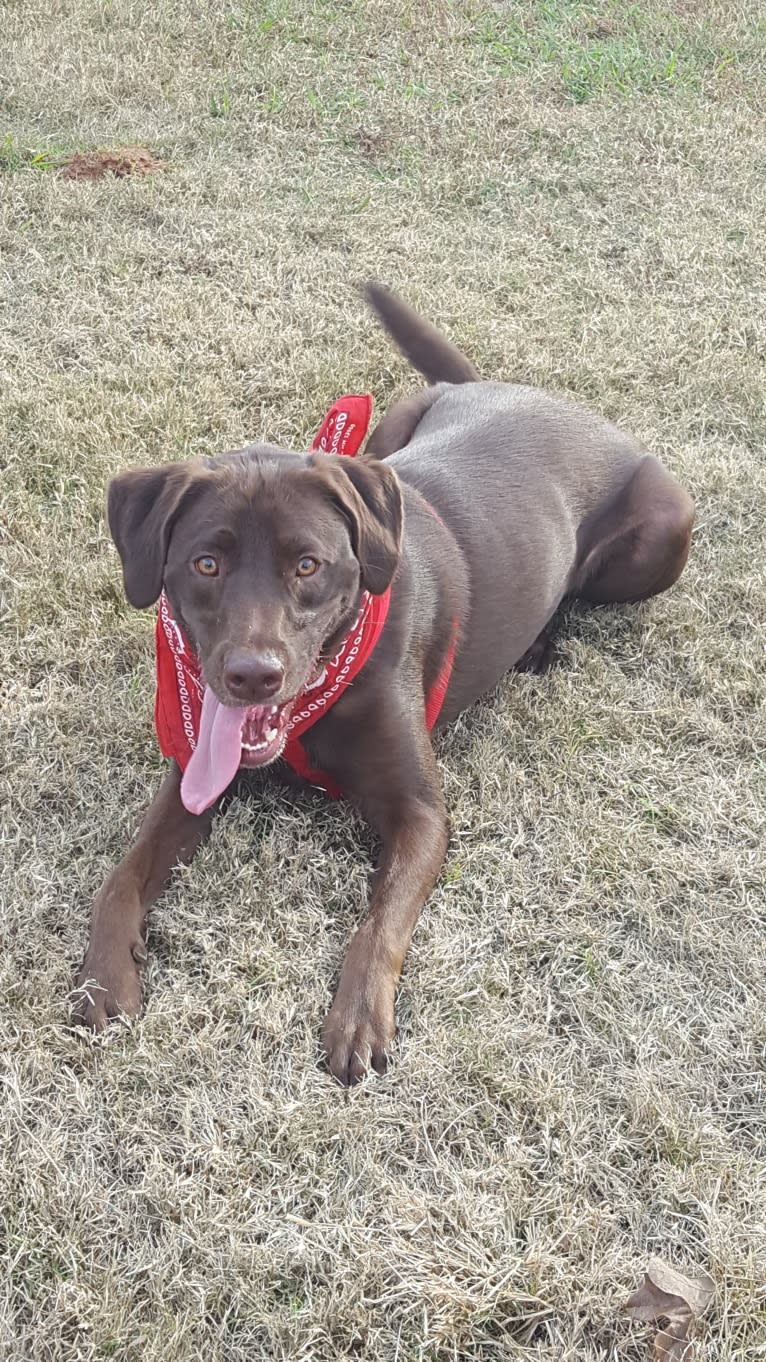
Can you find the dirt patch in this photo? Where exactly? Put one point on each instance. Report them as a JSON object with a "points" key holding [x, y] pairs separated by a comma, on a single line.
{"points": [[603, 27], [372, 142], [119, 161]]}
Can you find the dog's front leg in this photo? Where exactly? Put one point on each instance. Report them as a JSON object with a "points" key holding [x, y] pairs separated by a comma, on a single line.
{"points": [[108, 983], [403, 799]]}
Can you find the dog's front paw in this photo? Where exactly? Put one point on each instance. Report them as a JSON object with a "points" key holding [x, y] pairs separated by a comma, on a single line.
{"points": [[108, 985], [357, 1038]]}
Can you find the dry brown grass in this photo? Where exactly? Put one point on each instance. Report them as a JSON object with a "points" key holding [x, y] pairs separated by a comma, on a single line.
{"points": [[580, 1079]]}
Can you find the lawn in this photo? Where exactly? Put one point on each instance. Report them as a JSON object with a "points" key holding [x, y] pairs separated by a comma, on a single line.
{"points": [[576, 193]]}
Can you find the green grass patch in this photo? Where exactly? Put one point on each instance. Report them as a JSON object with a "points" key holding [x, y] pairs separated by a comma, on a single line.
{"points": [[601, 50]]}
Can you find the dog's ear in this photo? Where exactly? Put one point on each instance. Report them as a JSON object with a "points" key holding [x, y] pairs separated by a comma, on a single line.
{"points": [[141, 507], [370, 496]]}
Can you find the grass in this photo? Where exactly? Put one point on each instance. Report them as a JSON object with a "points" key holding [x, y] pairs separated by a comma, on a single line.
{"points": [[575, 192], [594, 49]]}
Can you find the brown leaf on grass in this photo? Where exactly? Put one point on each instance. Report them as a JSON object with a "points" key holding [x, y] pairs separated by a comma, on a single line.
{"points": [[119, 161], [673, 1344], [675, 1297]]}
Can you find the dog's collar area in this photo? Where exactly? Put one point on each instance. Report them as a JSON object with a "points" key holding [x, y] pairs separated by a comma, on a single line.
{"points": [[181, 693], [182, 701]]}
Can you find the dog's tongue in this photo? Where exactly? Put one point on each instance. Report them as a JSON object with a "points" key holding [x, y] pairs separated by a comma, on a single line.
{"points": [[217, 756]]}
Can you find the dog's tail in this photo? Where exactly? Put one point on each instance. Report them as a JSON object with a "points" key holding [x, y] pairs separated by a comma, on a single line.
{"points": [[431, 353]]}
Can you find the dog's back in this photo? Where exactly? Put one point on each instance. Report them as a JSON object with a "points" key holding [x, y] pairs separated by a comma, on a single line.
{"points": [[498, 439], [514, 472]]}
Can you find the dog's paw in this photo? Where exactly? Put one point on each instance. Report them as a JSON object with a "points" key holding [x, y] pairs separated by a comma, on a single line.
{"points": [[108, 985], [356, 1040]]}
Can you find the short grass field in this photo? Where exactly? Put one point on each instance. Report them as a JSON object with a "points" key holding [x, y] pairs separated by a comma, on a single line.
{"points": [[576, 192]]}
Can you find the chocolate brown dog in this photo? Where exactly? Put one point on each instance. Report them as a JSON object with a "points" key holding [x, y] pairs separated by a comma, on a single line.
{"points": [[481, 505]]}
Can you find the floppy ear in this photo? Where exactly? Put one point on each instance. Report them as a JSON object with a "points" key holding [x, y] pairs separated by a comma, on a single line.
{"points": [[370, 496], [141, 507]]}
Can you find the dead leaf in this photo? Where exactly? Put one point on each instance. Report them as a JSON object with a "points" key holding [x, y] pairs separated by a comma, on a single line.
{"points": [[672, 1345], [673, 1296], [119, 161]]}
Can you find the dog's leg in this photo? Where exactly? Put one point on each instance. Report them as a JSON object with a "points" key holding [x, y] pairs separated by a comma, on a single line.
{"points": [[540, 655], [637, 544], [400, 792], [396, 428], [109, 982]]}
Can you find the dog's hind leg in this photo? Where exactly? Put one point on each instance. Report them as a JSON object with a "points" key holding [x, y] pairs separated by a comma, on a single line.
{"points": [[541, 655], [397, 427], [636, 545]]}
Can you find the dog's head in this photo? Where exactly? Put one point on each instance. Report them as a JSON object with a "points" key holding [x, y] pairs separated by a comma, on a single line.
{"points": [[263, 554]]}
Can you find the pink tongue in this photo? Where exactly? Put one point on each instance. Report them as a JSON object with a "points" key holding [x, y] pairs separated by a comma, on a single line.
{"points": [[216, 758]]}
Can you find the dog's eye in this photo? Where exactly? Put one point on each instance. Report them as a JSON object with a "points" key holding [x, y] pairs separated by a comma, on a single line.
{"points": [[207, 565], [306, 567]]}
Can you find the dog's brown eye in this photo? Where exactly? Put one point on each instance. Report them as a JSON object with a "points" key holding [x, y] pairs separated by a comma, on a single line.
{"points": [[206, 565], [306, 567]]}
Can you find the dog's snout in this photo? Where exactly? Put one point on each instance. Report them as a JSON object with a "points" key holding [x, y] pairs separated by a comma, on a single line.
{"points": [[253, 678]]}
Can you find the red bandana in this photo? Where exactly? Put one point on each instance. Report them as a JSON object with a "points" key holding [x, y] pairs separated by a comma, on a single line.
{"points": [[180, 688]]}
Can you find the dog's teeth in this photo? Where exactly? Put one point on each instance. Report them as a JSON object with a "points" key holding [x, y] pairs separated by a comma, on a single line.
{"points": [[273, 710], [271, 734]]}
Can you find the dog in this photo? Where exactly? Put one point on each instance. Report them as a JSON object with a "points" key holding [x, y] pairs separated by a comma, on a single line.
{"points": [[475, 509]]}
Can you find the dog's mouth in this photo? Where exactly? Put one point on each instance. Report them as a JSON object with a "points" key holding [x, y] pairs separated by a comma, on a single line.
{"points": [[232, 736], [264, 733]]}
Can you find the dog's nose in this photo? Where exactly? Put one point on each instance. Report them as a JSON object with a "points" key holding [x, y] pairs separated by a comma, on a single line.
{"points": [[252, 678]]}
